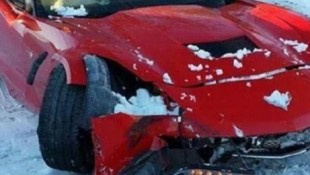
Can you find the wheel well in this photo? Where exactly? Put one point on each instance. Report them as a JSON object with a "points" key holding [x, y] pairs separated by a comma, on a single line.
{"points": [[125, 82]]}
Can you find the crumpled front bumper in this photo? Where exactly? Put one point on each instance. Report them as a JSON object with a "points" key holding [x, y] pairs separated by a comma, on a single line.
{"points": [[120, 138]]}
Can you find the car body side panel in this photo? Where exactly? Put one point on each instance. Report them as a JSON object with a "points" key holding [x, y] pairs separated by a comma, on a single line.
{"points": [[24, 39]]}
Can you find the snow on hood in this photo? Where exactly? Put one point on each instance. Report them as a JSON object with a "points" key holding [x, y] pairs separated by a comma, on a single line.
{"points": [[69, 11], [298, 46], [278, 99], [163, 50]]}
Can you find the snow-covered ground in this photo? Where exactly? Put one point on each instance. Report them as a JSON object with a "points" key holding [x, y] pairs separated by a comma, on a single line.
{"points": [[19, 150], [302, 6]]}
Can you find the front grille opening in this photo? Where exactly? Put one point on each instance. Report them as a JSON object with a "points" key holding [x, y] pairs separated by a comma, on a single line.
{"points": [[220, 48]]}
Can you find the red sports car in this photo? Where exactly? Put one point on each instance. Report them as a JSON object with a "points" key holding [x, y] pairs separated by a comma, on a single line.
{"points": [[159, 87]]}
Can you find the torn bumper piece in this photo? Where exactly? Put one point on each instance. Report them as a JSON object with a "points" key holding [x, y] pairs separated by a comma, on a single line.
{"points": [[120, 139]]}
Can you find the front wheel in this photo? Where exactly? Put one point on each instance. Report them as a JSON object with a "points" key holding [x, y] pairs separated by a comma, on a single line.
{"points": [[64, 145]]}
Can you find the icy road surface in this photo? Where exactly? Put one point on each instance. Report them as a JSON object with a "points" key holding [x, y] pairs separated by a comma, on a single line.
{"points": [[19, 150]]}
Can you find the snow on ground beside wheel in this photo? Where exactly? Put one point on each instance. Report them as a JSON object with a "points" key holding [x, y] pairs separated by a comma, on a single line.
{"points": [[19, 149]]}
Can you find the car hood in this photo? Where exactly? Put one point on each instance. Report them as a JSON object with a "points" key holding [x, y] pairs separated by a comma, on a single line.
{"points": [[152, 42]]}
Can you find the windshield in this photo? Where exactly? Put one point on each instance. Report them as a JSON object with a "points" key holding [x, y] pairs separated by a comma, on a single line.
{"points": [[101, 8]]}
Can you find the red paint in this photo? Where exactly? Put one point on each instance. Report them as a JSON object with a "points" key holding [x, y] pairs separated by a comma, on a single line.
{"points": [[159, 34]]}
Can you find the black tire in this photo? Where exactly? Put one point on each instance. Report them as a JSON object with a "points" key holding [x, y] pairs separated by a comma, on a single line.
{"points": [[64, 145]]}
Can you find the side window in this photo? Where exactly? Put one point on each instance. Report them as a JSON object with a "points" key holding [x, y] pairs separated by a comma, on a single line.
{"points": [[19, 4]]}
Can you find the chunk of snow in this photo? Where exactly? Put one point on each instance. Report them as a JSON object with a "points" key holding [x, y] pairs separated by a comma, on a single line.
{"points": [[167, 79], [279, 99], [69, 11], [242, 53], [193, 47], [302, 47], [298, 46], [267, 54], [228, 55], [289, 42], [143, 104], [204, 55], [238, 132], [219, 71], [197, 68], [258, 50], [200, 52], [209, 77], [237, 64]]}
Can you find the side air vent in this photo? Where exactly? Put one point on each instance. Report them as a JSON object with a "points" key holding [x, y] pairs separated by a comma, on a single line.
{"points": [[219, 48]]}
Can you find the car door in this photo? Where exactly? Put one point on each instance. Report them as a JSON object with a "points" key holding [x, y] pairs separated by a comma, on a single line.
{"points": [[20, 46]]}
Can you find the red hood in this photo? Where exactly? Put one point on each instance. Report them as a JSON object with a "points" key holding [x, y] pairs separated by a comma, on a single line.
{"points": [[161, 34]]}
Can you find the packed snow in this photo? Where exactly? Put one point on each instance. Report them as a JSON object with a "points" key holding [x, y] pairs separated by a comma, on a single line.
{"points": [[278, 99], [69, 11], [143, 104], [237, 64], [200, 52], [238, 131], [241, 53], [196, 68], [298, 46], [219, 72], [209, 77], [167, 78]]}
